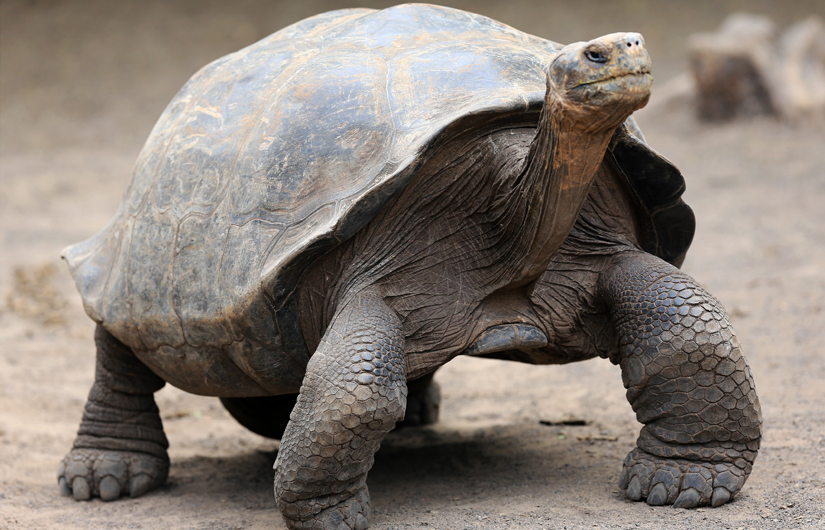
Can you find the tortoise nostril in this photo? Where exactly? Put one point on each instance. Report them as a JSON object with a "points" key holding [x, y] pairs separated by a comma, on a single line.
{"points": [[633, 40]]}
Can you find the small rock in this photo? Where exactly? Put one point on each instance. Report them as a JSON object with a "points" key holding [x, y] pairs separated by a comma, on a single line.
{"points": [[733, 68], [744, 69]]}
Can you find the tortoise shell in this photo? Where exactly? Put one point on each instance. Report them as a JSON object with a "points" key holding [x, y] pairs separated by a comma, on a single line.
{"points": [[272, 155]]}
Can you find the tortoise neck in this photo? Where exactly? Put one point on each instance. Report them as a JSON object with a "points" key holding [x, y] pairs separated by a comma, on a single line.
{"points": [[556, 178]]}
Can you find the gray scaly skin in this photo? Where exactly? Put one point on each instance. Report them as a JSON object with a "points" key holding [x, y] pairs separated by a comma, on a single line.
{"points": [[688, 383]]}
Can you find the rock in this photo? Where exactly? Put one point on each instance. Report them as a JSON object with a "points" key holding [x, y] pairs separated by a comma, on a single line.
{"points": [[733, 68], [745, 69], [801, 72]]}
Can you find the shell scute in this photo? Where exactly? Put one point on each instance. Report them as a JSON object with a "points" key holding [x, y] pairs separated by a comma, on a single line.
{"points": [[147, 289], [196, 294], [337, 106], [453, 76]]}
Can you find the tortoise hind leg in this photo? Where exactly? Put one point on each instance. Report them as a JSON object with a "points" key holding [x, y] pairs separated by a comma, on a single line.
{"points": [[688, 382], [423, 402], [267, 416], [120, 447]]}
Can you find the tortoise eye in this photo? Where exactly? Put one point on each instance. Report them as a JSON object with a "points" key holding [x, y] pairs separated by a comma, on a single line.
{"points": [[595, 56]]}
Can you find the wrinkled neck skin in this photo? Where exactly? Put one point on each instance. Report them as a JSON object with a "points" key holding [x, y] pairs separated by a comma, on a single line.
{"points": [[569, 146]]}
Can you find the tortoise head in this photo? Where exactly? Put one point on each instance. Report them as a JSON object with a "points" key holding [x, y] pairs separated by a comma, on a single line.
{"points": [[601, 82]]}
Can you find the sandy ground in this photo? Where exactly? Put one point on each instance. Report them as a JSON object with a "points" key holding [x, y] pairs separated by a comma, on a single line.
{"points": [[82, 84]]}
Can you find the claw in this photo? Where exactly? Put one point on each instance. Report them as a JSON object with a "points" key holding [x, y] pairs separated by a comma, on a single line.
{"points": [[139, 484], [623, 479], [657, 496], [80, 489], [361, 522], [65, 491], [634, 489], [109, 488], [689, 498], [720, 497]]}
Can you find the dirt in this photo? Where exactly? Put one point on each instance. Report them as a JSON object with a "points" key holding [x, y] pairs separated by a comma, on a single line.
{"points": [[517, 446]]}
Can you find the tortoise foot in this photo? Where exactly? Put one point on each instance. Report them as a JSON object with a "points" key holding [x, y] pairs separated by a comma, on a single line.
{"points": [[682, 483], [317, 514], [87, 473]]}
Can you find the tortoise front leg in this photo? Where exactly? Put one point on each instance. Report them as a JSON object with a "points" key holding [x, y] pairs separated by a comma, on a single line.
{"points": [[688, 382], [353, 393]]}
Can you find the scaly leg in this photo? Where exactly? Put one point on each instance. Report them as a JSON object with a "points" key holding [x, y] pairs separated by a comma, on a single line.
{"points": [[688, 382], [120, 447], [352, 395]]}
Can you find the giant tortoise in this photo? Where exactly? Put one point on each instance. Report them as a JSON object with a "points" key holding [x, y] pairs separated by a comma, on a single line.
{"points": [[338, 210]]}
